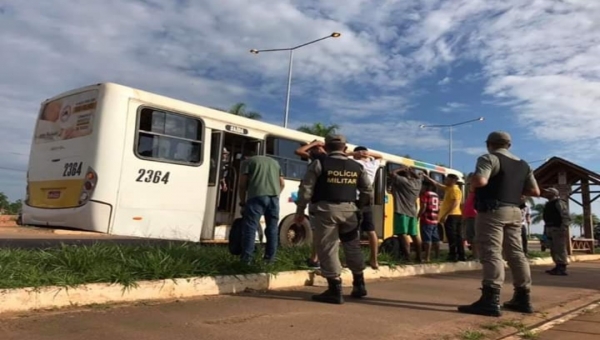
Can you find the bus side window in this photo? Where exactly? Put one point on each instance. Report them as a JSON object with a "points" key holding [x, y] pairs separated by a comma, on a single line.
{"points": [[438, 177], [283, 151], [169, 137], [389, 167]]}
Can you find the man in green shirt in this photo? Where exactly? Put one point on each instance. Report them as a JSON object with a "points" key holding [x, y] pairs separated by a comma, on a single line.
{"points": [[261, 182]]}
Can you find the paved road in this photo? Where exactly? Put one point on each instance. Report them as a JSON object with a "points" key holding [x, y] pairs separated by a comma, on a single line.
{"points": [[410, 308]]}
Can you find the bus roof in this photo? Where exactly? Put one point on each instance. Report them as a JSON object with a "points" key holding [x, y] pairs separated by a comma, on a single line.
{"points": [[213, 114]]}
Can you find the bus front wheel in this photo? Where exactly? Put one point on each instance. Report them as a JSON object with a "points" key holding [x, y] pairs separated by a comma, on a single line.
{"points": [[292, 234]]}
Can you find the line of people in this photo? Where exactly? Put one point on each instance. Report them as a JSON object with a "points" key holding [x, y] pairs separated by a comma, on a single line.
{"points": [[338, 191]]}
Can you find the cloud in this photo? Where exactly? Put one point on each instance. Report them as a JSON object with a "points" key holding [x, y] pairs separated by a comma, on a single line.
{"points": [[473, 151], [453, 106], [538, 58], [445, 81]]}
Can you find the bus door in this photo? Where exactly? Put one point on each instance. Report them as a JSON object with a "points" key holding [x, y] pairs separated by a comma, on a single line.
{"points": [[379, 195], [227, 153]]}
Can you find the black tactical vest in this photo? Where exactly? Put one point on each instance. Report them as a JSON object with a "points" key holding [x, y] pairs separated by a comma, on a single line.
{"points": [[505, 188], [338, 181], [552, 216]]}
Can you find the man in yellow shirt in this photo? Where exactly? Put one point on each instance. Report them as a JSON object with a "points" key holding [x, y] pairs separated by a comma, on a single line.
{"points": [[451, 216]]}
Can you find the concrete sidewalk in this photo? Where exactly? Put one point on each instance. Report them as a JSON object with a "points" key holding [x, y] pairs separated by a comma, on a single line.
{"points": [[583, 327], [410, 308]]}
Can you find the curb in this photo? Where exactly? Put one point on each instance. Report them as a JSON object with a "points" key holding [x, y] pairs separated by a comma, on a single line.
{"points": [[557, 321], [28, 299]]}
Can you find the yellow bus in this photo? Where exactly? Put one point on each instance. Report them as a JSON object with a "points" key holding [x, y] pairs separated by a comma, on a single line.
{"points": [[117, 160]]}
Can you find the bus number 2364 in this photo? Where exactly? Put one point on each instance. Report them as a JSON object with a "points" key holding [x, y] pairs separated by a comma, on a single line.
{"points": [[151, 176]]}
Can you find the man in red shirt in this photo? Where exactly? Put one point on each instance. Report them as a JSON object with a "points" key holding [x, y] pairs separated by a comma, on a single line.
{"points": [[428, 215], [469, 214]]}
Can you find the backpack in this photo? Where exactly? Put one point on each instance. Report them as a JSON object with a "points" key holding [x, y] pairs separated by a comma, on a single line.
{"points": [[235, 237], [391, 246]]}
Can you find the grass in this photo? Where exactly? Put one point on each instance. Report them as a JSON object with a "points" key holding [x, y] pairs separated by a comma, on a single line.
{"points": [[71, 265], [472, 335]]}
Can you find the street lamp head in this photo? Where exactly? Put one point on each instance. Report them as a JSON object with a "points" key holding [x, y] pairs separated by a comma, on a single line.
{"points": [[336, 35], [480, 118], [254, 51]]}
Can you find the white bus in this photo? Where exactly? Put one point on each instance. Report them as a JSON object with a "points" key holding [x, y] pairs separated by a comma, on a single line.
{"points": [[117, 160]]}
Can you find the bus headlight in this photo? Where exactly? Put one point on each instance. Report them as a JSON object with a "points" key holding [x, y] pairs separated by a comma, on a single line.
{"points": [[89, 184]]}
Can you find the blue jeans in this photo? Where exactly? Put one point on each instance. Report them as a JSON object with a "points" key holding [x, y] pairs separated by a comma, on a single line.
{"points": [[256, 207]]}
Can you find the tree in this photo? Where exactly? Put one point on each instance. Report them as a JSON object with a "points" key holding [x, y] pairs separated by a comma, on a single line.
{"points": [[4, 203], [537, 213], [7, 207], [578, 220], [239, 109], [319, 129], [15, 207]]}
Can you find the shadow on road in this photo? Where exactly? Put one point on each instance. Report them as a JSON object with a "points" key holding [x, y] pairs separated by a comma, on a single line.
{"points": [[305, 296]]}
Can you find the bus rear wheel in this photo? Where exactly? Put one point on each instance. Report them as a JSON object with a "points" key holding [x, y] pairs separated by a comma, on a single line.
{"points": [[294, 235]]}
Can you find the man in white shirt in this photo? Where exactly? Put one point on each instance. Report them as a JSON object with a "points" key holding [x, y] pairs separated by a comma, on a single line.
{"points": [[371, 162], [525, 223]]}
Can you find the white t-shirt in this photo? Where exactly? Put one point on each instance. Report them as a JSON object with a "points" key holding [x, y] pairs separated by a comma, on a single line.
{"points": [[524, 212], [371, 166]]}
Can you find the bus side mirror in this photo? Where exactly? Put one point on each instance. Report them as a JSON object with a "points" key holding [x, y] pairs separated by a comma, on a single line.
{"points": [[379, 187]]}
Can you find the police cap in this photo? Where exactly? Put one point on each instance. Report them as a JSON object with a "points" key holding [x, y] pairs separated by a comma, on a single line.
{"points": [[335, 139], [498, 137], [553, 191]]}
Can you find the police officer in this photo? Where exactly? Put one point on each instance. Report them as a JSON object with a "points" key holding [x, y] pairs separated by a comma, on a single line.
{"points": [[499, 181], [330, 186], [556, 224]]}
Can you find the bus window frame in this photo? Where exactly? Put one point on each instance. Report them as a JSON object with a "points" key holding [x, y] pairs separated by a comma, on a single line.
{"points": [[300, 159], [397, 165], [168, 111], [441, 192]]}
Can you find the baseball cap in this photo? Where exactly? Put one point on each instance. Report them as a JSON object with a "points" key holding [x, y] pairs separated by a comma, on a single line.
{"points": [[498, 137], [360, 148], [552, 191], [335, 139]]}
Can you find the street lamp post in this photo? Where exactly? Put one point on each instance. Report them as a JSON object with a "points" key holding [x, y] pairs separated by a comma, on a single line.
{"points": [[289, 83], [450, 127]]}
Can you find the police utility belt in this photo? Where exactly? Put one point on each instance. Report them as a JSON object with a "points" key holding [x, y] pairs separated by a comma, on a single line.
{"points": [[491, 205]]}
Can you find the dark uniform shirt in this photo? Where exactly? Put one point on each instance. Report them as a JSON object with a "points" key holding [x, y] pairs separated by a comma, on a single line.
{"points": [[307, 188], [556, 213]]}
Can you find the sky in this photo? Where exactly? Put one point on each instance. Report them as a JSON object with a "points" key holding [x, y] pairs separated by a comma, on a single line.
{"points": [[529, 67]]}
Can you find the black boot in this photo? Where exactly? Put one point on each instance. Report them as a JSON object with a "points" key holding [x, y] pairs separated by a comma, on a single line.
{"points": [[333, 294], [560, 270], [550, 271], [487, 305], [520, 302], [358, 286]]}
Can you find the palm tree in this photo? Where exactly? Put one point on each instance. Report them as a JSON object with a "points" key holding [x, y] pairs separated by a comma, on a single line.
{"points": [[537, 213], [319, 129], [239, 109], [578, 220]]}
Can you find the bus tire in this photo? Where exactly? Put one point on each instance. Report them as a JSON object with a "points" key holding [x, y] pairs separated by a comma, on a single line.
{"points": [[293, 235]]}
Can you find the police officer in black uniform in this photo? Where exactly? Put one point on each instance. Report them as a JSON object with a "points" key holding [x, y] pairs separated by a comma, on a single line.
{"points": [[330, 185], [499, 181], [556, 227]]}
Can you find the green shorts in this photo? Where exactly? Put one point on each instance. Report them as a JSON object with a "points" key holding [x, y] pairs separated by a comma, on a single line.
{"points": [[405, 225]]}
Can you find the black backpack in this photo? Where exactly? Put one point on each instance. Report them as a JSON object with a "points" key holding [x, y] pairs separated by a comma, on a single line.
{"points": [[235, 237], [391, 246]]}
